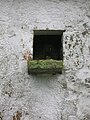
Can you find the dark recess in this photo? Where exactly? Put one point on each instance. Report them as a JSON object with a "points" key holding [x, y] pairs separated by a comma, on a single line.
{"points": [[47, 47]]}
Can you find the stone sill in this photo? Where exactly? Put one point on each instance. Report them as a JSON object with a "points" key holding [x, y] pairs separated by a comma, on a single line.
{"points": [[45, 66]]}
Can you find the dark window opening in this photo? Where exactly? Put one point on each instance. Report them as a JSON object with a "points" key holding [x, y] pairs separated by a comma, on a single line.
{"points": [[47, 45]]}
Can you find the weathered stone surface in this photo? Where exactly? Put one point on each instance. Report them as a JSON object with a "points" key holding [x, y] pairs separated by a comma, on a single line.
{"points": [[44, 66], [45, 97]]}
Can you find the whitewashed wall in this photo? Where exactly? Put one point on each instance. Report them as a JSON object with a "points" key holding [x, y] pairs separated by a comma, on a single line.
{"points": [[45, 97]]}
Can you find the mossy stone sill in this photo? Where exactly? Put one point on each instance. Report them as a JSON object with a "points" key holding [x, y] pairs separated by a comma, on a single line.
{"points": [[45, 66]]}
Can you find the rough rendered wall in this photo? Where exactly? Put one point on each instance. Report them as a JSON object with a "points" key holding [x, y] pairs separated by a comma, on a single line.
{"points": [[45, 97]]}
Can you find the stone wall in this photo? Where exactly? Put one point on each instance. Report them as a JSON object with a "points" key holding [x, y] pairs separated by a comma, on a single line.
{"points": [[44, 97]]}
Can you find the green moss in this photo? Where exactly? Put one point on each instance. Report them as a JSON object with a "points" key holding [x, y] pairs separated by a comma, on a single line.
{"points": [[45, 66]]}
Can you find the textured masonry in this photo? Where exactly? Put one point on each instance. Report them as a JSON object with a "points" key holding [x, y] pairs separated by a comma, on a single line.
{"points": [[64, 96]]}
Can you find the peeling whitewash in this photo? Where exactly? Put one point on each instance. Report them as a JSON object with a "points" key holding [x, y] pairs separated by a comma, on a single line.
{"points": [[46, 97]]}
